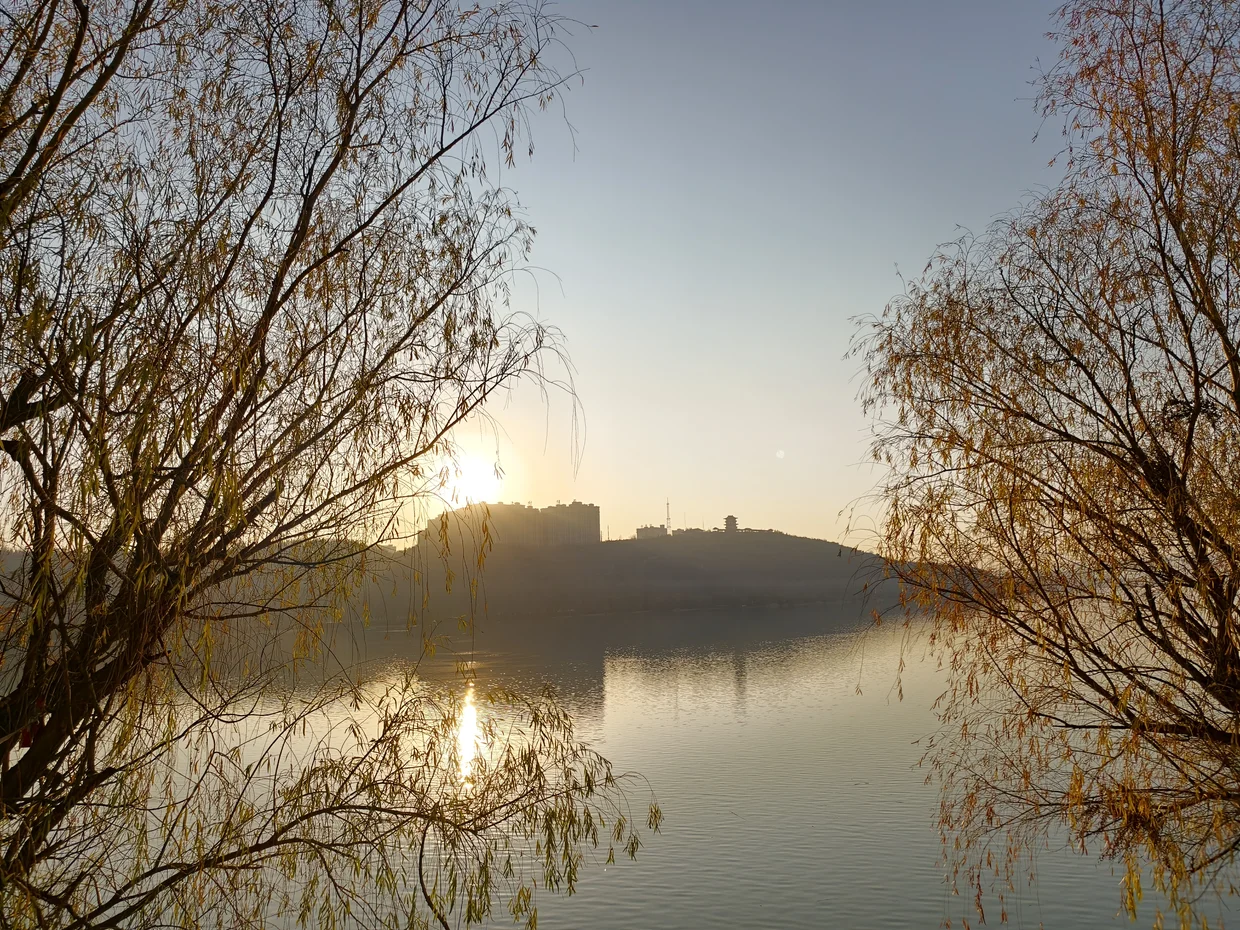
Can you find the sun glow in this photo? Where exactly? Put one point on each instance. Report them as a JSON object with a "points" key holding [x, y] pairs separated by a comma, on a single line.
{"points": [[469, 741], [473, 480]]}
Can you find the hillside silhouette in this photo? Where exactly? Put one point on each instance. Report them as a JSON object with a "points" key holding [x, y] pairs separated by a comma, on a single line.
{"points": [[669, 592]]}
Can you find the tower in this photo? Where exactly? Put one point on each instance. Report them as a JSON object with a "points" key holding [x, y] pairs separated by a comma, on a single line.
{"points": [[729, 524]]}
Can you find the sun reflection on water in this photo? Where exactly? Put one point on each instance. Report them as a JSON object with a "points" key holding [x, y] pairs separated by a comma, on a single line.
{"points": [[469, 742]]}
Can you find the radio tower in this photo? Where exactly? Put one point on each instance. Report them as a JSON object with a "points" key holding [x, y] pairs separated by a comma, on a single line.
{"points": [[669, 516]]}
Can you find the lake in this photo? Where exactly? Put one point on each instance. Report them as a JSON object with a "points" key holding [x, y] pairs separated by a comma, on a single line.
{"points": [[791, 800]]}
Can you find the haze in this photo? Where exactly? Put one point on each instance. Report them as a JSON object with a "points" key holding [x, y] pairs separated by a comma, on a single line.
{"points": [[747, 180]]}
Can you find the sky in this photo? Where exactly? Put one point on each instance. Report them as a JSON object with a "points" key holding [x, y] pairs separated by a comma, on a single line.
{"points": [[728, 189]]}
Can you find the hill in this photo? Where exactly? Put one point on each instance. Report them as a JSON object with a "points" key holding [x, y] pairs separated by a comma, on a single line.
{"points": [[668, 591], [689, 571]]}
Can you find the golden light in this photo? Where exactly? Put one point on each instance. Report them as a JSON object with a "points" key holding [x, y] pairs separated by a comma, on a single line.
{"points": [[469, 741], [474, 479]]}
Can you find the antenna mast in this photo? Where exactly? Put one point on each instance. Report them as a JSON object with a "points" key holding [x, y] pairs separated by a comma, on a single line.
{"points": [[669, 516]]}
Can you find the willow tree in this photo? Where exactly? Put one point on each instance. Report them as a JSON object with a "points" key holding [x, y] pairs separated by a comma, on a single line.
{"points": [[1059, 405], [252, 272]]}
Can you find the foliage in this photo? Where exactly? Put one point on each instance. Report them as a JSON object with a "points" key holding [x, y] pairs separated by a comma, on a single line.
{"points": [[1060, 412], [253, 270]]}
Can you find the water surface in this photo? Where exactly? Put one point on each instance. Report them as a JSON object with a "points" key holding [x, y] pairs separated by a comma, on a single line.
{"points": [[788, 772]]}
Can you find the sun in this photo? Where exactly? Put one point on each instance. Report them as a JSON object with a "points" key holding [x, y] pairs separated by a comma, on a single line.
{"points": [[474, 480]]}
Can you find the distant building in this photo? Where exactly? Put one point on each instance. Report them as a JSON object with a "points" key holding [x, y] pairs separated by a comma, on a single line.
{"points": [[572, 524], [729, 524], [651, 532]]}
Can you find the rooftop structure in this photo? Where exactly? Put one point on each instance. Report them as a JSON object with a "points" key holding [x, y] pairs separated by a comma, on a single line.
{"points": [[651, 532]]}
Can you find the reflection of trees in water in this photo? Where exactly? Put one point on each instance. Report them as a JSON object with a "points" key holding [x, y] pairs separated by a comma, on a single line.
{"points": [[738, 677], [820, 668], [726, 661], [570, 652]]}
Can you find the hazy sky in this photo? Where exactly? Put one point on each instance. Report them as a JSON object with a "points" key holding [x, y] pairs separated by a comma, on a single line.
{"points": [[748, 178]]}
